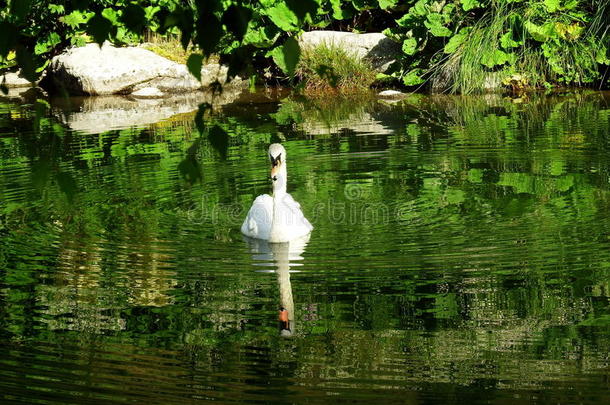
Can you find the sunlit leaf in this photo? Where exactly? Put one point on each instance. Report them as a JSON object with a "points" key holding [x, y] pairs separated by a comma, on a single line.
{"points": [[341, 10], [456, 41], [413, 78], [385, 4], [506, 41], [434, 23], [283, 17], [494, 58], [469, 4], [261, 37], [409, 46], [552, 5], [57, 8], [74, 19]]}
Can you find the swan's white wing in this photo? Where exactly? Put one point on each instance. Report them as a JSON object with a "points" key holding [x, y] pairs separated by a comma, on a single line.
{"points": [[290, 221], [258, 222], [297, 214]]}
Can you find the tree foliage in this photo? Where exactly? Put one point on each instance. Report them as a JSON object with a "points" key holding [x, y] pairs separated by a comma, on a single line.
{"points": [[453, 44]]}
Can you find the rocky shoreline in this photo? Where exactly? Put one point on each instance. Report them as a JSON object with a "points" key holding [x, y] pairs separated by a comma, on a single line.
{"points": [[109, 70]]}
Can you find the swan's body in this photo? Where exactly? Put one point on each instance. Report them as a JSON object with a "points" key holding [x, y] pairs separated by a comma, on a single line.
{"points": [[276, 218]]}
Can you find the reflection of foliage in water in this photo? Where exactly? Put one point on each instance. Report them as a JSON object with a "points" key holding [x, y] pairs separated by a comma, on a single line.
{"points": [[124, 257]]}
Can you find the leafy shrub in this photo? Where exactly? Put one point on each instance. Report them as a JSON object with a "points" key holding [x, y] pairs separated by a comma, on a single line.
{"points": [[459, 45]]}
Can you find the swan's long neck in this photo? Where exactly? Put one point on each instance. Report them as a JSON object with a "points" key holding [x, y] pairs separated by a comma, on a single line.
{"points": [[279, 185], [279, 216]]}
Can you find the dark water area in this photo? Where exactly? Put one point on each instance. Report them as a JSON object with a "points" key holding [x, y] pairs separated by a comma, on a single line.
{"points": [[461, 251]]}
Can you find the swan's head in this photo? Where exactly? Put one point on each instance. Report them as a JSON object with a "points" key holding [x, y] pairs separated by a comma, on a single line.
{"points": [[277, 156]]}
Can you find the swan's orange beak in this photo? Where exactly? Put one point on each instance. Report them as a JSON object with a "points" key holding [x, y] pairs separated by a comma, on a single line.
{"points": [[283, 315], [274, 171]]}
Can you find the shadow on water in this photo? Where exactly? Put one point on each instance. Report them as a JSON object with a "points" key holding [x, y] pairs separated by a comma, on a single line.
{"points": [[460, 251]]}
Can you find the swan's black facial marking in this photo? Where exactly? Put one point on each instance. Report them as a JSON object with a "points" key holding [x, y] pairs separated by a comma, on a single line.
{"points": [[275, 161]]}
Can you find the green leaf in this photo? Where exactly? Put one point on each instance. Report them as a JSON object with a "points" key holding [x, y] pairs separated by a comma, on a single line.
{"points": [[56, 9], [47, 44], [409, 46], [468, 5], [456, 40], [601, 56], [27, 63], [287, 56], [111, 15], [540, 33], [236, 18], [494, 58], [261, 37], [74, 19], [99, 28], [406, 21], [413, 78], [301, 8], [283, 17], [194, 63], [570, 4], [340, 13], [420, 8], [434, 23], [507, 41], [385, 4], [8, 38], [134, 18], [552, 5], [209, 33], [20, 8]]}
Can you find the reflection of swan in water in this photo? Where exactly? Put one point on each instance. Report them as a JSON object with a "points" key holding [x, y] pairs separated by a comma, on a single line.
{"points": [[278, 218], [283, 255]]}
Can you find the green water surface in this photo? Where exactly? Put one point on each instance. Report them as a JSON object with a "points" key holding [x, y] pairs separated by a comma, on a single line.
{"points": [[461, 252]]}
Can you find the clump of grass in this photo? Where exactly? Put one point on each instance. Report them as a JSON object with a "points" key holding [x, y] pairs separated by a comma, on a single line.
{"points": [[170, 48], [330, 69]]}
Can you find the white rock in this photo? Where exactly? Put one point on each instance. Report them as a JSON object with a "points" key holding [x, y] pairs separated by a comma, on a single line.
{"points": [[148, 92], [105, 70], [14, 79], [376, 47], [391, 94]]}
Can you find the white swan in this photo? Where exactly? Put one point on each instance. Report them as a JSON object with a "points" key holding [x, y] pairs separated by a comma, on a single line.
{"points": [[278, 218]]}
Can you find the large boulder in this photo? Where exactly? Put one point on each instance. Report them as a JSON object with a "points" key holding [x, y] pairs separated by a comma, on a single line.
{"points": [[14, 80], [105, 70], [380, 50]]}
